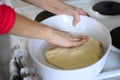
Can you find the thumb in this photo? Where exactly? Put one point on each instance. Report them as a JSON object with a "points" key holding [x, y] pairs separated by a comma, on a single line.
{"points": [[76, 19]]}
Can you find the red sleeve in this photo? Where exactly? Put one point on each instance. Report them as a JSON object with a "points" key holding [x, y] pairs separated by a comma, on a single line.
{"points": [[7, 18]]}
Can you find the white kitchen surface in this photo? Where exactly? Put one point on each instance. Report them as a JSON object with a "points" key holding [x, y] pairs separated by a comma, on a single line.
{"points": [[113, 61]]}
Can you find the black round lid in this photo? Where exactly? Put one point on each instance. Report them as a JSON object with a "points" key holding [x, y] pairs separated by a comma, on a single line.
{"points": [[115, 34], [107, 7]]}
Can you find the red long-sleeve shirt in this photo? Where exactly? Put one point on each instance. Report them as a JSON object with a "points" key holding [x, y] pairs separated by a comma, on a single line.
{"points": [[7, 18]]}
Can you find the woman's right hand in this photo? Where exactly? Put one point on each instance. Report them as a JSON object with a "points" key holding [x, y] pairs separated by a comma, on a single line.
{"points": [[64, 39]]}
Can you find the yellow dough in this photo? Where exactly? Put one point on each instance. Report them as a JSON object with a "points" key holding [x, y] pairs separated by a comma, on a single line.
{"points": [[75, 57]]}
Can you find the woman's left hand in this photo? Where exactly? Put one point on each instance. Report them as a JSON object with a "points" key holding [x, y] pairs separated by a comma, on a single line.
{"points": [[75, 12]]}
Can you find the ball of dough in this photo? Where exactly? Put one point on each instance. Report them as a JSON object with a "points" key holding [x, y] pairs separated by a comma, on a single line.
{"points": [[75, 57]]}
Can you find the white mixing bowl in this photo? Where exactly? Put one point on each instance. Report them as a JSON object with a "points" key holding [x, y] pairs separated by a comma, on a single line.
{"points": [[87, 25]]}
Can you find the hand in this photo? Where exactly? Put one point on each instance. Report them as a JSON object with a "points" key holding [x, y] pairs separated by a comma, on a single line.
{"points": [[75, 12], [64, 39]]}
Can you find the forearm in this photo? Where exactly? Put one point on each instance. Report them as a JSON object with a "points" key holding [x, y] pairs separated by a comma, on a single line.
{"points": [[59, 7], [28, 28], [54, 6]]}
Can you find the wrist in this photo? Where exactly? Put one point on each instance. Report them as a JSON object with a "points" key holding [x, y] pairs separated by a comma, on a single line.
{"points": [[47, 32]]}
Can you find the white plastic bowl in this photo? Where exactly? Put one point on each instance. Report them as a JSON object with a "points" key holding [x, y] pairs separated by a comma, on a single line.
{"points": [[87, 25]]}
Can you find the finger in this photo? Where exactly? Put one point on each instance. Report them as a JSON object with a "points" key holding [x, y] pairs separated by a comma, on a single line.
{"points": [[76, 19], [80, 42], [82, 12], [77, 43], [77, 37]]}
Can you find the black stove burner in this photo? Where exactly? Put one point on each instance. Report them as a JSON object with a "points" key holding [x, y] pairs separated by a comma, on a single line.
{"points": [[44, 15], [115, 34], [107, 8]]}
